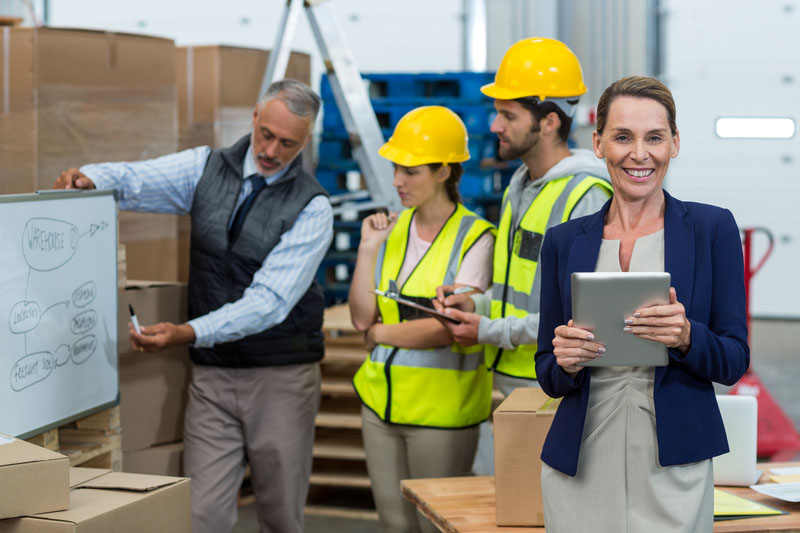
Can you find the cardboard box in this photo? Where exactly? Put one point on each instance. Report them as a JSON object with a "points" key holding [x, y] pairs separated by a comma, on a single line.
{"points": [[164, 460], [103, 501], [152, 386], [218, 89], [521, 424], [73, 97], [32, 479]]}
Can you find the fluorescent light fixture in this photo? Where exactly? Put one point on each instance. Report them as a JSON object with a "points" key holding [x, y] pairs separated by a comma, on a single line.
{"points": [[755, 128]]}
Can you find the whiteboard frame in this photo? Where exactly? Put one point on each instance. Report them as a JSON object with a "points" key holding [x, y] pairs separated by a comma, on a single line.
{"points": [[60, 194]]}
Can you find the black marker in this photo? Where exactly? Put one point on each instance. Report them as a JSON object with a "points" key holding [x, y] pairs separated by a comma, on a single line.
{"points": [[134, 320]]}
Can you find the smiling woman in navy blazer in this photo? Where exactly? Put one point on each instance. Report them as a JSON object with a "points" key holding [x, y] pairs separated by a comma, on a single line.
{"points": [[704, 327]]}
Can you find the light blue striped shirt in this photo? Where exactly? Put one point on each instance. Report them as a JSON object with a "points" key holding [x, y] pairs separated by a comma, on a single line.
{"points": [[167, 184]]}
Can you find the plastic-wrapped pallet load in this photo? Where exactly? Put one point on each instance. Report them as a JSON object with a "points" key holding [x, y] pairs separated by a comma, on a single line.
{"points": [[71, 97]]}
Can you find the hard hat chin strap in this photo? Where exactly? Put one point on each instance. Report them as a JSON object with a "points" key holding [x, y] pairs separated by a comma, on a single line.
{"points": [[567, 104]]}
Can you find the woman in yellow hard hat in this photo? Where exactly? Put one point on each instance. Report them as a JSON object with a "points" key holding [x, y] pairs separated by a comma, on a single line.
{"points": [[423, 395]]}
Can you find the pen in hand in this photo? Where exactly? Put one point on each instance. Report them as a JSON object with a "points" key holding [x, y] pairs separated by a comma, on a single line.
{"points": [[134, 320], [459, 290]]}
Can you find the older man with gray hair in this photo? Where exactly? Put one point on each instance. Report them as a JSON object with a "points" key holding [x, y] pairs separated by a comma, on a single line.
{"points": [[260, 227]]}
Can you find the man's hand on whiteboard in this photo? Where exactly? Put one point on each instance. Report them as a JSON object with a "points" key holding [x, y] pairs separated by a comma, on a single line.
{"points": [[72, 178], [160, 336]]}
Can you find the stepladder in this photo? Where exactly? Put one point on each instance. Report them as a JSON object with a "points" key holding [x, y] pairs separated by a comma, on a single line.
{"points": [[351, 98]]}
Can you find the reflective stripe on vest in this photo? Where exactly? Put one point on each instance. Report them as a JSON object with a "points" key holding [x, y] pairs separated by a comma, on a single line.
{"points": [[445, 387], [515, 289]]}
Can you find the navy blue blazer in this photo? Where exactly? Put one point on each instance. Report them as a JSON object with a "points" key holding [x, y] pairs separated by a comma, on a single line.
{"points": [[703, 254]]}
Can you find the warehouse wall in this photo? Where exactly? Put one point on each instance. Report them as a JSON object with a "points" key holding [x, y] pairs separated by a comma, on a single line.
{"points": [[612, 39], [413, 36]]}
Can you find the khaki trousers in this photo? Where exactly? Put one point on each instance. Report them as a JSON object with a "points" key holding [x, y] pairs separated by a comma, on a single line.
{"points": [[397, 452], [261, 416]]}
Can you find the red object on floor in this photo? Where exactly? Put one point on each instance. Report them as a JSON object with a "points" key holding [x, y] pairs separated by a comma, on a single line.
{"points": [[776, 432]]}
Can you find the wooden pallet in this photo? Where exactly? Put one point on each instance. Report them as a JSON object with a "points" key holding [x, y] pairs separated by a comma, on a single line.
{"points": [[94, 441], [340, 486]]}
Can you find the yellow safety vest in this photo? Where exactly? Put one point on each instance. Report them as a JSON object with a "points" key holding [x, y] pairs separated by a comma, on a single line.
{"points": [[446, 387], [515, 281]]}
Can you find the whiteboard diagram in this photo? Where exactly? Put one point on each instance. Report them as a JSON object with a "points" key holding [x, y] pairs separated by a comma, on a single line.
{"points": [[59, 349]]}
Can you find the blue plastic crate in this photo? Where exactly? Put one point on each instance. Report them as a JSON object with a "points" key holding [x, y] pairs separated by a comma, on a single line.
{"points": [[332, 120], [477, 208], [336, 267], [336, 293], [332, 148], [339, 165], [333, 181], [477, 184], [432, 86], [477, 117], [481, 147], [488, 208], [346, 240], [325, 91]]}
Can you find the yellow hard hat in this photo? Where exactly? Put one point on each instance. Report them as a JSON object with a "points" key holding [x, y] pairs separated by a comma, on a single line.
{"points": [[537, 66], [430, 134]]}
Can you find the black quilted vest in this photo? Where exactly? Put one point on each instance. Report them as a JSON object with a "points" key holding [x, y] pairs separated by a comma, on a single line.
{"points": [[220, 270]]}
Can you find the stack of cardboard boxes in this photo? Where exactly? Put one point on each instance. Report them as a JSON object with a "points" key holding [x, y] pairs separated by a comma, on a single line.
{"points": [[73, 97], [217, 90], [41, 493], [152, 386]]}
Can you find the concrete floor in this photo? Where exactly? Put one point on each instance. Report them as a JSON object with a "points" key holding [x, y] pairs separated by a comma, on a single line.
{"points": [[248, 523], [775, 358]]}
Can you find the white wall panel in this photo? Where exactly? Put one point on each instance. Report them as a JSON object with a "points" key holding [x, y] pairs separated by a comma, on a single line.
{"points": [[739, 58], [411, 36]]}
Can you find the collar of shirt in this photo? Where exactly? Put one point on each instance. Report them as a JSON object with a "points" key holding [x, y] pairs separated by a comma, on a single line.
{"points": [[249, 168]]}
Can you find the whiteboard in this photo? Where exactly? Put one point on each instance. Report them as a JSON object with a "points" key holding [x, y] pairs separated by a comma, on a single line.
{"points": [[58, 308]]}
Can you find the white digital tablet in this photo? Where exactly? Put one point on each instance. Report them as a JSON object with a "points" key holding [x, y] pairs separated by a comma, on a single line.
{"points": [[600, 303]]}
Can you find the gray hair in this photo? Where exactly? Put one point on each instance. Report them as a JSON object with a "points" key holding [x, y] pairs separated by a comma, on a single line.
{"points": [[298, 97]]}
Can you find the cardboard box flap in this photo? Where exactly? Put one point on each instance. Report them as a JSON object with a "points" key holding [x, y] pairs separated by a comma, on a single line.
{"points": [[101, 509], [80, 475], [526, 400], [131, 482], [19, 452]]}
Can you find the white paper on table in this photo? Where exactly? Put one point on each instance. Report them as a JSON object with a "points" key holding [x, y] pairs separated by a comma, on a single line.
{"points": [[5, 440], [786, 470], [789, 492]]}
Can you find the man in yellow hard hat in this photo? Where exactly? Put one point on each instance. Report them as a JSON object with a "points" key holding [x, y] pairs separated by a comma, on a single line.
{"points": [[536, 89]]}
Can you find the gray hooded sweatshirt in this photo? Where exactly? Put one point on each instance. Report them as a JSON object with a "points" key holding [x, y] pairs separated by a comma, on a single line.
{"points": [[510, 332]]}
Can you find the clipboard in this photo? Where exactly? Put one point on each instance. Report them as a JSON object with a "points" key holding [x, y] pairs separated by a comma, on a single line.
{"points": [[392, 295]]}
